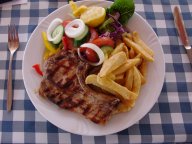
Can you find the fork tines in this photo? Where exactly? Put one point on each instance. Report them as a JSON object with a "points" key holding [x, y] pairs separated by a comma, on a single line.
{"points": [[12, 33]]}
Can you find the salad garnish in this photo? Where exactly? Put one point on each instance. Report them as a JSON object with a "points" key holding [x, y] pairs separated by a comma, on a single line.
{"points": [[96, 49], [55, 31], [125, 8], [75, 28], [38, 69]]}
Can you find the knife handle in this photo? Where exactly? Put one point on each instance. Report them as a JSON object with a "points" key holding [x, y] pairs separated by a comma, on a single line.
{"points": [[180, 26], [189, 53]]}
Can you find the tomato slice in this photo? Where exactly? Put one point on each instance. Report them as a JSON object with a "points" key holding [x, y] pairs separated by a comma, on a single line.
{"points": [[104, 41], [94, 34], [64, 41], [65, 22], [89, 54], [67, 43]]}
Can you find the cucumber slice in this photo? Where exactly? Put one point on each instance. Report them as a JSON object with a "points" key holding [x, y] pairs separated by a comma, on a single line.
{"points": [[77, 43], [107, 50], [58, 32], [83, 38]]}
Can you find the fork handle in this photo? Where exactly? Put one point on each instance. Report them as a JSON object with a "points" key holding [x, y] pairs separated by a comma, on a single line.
{"points": [[9, 85]]}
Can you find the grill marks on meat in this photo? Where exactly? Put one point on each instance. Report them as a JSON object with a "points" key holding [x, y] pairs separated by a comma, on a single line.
{"points": [[61, 68], [64, 85]]}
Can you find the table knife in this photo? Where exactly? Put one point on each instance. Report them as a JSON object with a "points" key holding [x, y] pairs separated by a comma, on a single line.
{"points": [[178, 19]]}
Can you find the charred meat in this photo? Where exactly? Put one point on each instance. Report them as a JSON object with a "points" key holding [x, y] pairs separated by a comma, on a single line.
{"points": [[64, 85]]}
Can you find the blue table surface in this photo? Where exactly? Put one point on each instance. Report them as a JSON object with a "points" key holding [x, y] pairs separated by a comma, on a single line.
{"points": [[170, 119]]}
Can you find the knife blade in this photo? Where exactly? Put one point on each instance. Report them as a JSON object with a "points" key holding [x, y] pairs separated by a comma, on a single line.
{"points": [[178, 19]]}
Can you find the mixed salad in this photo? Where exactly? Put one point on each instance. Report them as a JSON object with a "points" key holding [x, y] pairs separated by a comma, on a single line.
{"points": [[94, 31]]}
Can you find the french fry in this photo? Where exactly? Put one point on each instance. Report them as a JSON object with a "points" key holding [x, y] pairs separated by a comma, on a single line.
{"points": [[136, 85], [92, 79], [143, 80], [136, 81], [112, 63], [143, 68], [112, 76], [131, 53], [138, 56], [123, 93], [125, 49], [129, 64], [129, 79], [124, 107], [118, 49], [120, 76], [138, 40], [138, 49], [120, 79], [127, 35]]}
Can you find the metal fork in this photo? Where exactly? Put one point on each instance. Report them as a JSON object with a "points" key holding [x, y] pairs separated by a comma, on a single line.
{"points": [[13, 45]]}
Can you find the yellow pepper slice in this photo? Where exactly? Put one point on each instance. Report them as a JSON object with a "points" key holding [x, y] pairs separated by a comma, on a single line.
{"points": [[46, 55], [47, 44], [79, 11], [73, 5]]}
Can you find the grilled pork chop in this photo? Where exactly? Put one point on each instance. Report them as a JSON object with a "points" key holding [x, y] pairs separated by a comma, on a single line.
{"points": [[64, 85]]}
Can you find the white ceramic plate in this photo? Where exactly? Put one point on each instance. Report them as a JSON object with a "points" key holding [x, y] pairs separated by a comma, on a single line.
{"points": [[73, 122]]}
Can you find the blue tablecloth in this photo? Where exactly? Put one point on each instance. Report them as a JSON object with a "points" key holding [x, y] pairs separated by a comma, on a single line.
{"points": [[170, 120]]}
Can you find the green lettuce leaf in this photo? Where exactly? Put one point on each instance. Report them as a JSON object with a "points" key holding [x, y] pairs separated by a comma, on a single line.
{"points": [[126, 9]]}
